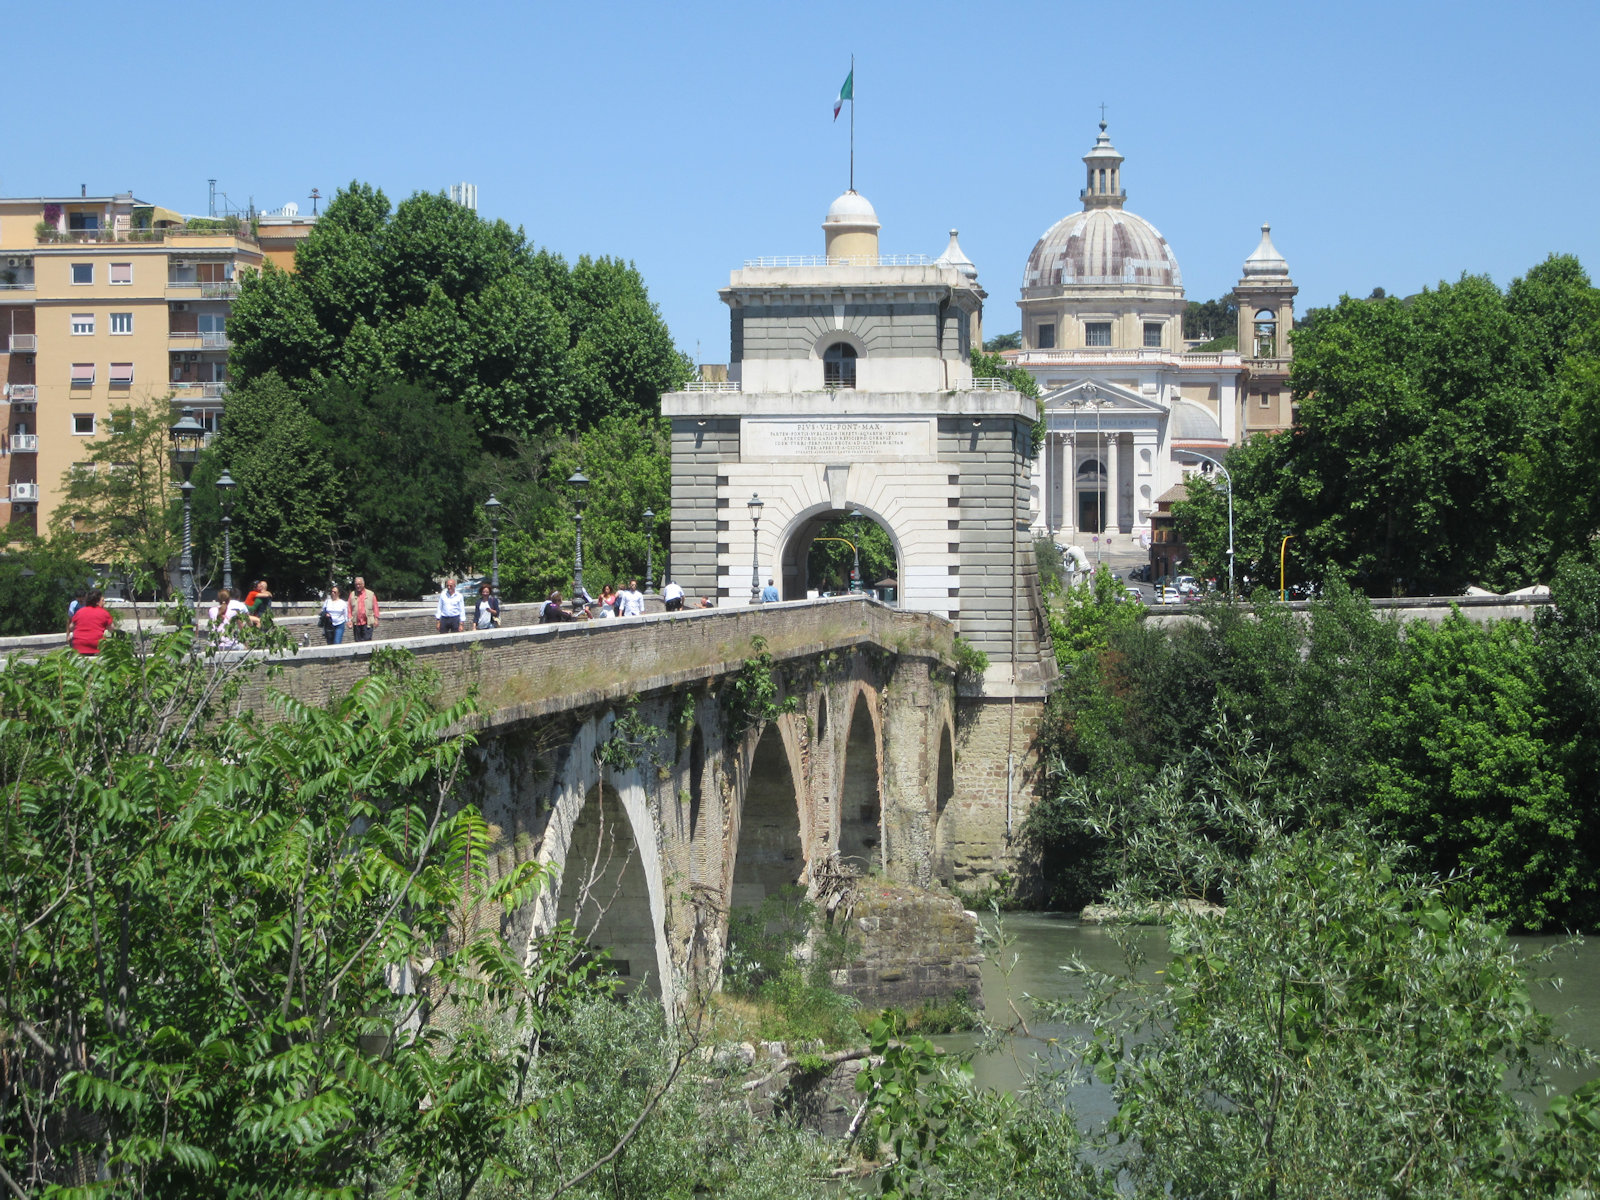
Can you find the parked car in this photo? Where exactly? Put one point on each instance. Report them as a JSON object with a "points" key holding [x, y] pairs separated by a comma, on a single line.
{"points": [[1188, 585], [1166, 594]]}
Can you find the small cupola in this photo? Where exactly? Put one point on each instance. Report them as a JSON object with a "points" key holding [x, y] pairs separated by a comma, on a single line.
{"points": [[850, 230], [1104, 186], [1265, 262], [954, 256]]}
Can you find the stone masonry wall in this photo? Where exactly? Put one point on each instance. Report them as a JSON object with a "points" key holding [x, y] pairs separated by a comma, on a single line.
{"points": [[975, 843], [910, 945], [699, 448]]}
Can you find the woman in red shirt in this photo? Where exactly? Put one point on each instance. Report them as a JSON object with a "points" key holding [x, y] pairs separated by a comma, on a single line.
{"points": [[89, 624]]}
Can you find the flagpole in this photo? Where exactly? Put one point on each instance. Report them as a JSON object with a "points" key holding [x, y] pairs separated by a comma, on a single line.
{"points": [[852, 122]]}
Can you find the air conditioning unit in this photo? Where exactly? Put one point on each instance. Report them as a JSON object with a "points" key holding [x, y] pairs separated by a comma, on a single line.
{"points": [[26, 407], [13, 262], [194, 357], [181, 306], [182, 262]]}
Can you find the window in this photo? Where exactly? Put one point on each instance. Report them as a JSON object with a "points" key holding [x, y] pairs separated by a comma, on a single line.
{"points": [[839, 366], [121, 374], [1045, 339], [1097, 333], [1152, 335], [83, 423], [82, 374], [82, 323], [122, 272], [1266, 334], [82, 272], [1266, 400], [215, 272], [83, 222], [213, 322], [121, 322]]}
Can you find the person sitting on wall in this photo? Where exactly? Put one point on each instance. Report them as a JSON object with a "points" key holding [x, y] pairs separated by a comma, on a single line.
{"points": [[89, 624], [769, 594], [552, 613], [259, 601], [672, 595]]}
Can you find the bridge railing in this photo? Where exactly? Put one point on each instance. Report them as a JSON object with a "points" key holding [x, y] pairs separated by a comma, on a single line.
{"points": [[530, 671]]}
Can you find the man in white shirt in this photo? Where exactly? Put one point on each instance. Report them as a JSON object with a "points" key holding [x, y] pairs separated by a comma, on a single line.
{"points": [[633, 600], [672, 595], [452, 607]]}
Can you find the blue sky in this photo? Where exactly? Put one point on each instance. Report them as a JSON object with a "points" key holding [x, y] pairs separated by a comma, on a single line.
{"points": [[1389, 144]]}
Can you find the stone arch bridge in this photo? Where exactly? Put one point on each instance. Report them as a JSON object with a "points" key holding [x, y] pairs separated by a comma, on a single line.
{"points": [[617, 753]]}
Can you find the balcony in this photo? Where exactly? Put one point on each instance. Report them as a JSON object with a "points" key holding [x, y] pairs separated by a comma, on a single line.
{"points": [[214, 341], [24, 343], [219, 291], [213, 391], [18, 392], [47, 236], [24, 443], [24, 491], [193, 339]]}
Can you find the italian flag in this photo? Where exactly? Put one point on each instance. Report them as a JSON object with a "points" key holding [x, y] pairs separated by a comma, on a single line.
{"points": [[847, 92]]}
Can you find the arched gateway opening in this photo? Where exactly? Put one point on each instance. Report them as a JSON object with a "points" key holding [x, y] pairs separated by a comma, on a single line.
{"points": [[860, 809], [604, 893], [836, 551]]}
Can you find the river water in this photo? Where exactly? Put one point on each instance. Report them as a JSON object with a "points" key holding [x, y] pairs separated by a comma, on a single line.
{"points": [[1042, 941]]}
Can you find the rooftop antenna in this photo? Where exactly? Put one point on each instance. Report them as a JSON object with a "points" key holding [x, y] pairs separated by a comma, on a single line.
{"points": [[315, 196], [212, 207]]}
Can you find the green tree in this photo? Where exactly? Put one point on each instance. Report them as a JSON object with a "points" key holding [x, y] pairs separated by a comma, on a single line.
{"points": [[119, 506], [431, 293], [288, 504], [1211, 320], [828, 564], [221, 936], [1004, 341], [37, 582]]}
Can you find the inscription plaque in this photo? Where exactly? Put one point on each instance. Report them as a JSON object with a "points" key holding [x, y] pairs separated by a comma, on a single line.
{"points": [[890, 440]]}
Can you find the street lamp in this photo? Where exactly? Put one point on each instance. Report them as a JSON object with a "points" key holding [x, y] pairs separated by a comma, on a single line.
{"points": [[649, 551], [754, 505], [493, 507], [1283, 554], [855, 549], [225, 486], [187, 434], [1229, 478], [579, 483]]}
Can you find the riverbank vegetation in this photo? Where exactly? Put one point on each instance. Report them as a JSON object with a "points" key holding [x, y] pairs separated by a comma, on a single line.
{"points": [[1475, 744]]}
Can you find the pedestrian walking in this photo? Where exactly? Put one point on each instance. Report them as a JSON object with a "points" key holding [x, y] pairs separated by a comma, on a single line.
{"points": [[486, 613], [632, 600], [226, 615], [363, 611], [335, 616], [89, 624], [451, 608], [672, 595]]}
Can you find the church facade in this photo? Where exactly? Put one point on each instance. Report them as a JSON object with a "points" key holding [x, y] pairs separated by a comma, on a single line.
{"points": [[1129, 409]]}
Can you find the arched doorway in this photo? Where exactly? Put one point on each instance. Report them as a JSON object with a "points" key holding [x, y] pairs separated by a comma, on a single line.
{"points": [[833, 551], [604, 892], [770, 855], [860, 803], [1091, 485]]}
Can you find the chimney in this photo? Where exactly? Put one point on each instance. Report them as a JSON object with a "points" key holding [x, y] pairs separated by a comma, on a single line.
{"points": [[83, 190]]}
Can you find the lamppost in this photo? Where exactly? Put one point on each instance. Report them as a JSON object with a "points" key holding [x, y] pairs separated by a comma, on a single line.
{"points": [[492, 507], [1229, 478], [754, 505], [225, 486], [579, 483], [855, 549], [186, 434], [1283, 555], [649, 551]]}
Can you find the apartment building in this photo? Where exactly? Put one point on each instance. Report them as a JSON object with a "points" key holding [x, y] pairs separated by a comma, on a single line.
{"points": [[104, 301]]}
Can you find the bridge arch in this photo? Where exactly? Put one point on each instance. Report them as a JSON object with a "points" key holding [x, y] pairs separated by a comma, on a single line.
{"points": [[602, 847], [794, 543], [861, 786], [769, 835]]}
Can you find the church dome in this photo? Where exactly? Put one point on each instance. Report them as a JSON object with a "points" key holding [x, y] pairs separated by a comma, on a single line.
{"points": [[1102, 245]]}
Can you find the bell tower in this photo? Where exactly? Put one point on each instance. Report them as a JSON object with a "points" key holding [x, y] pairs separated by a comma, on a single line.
{"points": [[1265, 295]]}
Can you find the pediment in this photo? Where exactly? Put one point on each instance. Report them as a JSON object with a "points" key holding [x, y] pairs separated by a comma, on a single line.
{"points": [[1114, 398]]}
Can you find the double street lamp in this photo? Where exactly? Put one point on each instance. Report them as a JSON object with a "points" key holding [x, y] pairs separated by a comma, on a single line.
{"points": [[492, 507], [187, 435], [754, 504]]}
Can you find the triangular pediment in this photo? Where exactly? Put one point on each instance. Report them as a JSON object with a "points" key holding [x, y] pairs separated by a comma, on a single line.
{"points": [[1111, 397]]}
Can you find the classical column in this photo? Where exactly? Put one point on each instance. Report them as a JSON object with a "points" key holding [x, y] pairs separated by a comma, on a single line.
{"points": [[1058, 490], [1113, 450]]}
